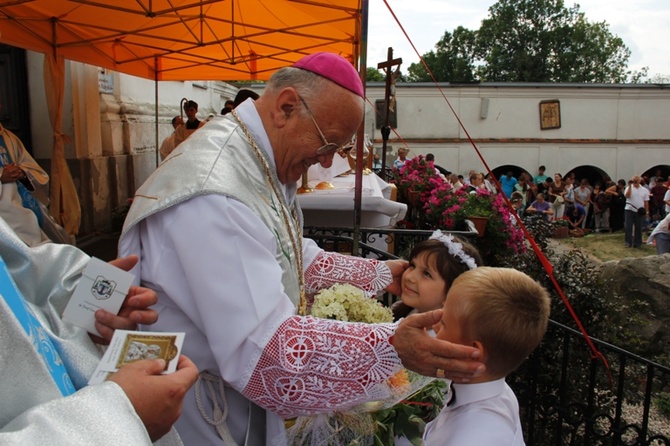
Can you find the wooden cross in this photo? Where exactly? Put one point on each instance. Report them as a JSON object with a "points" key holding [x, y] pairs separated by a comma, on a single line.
{"points": [[387, 66]]}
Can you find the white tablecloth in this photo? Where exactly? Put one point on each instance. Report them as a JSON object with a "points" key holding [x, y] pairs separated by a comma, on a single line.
{"points": [[336, 207]]}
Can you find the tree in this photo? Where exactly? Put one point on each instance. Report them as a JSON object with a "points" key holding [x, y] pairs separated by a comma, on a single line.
{"points": [[453, 60], [374, 75], [530, 41]]}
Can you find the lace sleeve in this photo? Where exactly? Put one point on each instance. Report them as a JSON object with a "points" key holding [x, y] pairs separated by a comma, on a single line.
{"points": [[329, 268], [316, 365]]}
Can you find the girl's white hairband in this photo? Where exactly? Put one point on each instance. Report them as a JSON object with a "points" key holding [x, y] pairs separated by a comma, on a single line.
{"points": [[455, 248]]}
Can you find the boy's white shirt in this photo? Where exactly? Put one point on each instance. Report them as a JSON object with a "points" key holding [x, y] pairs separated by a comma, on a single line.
{"points": [[481, 414]]}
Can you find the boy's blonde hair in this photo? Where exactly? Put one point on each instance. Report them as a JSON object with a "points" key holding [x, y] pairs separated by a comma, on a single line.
{"points": [[505, 310]]}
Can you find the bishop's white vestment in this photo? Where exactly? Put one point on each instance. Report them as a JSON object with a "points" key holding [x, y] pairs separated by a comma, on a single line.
{"points": [[217, 235]]}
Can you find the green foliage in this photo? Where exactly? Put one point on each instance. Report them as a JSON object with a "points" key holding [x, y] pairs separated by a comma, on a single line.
{"points": [[453, 60], [374, 75], [408, 419], [530, 41], [663, 403]]}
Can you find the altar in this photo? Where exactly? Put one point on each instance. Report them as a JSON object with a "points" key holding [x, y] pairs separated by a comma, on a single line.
{"points": [[335, 207]]}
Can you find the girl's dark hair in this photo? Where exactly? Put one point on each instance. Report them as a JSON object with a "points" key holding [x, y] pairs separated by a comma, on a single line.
{"points": [[449, 266]]}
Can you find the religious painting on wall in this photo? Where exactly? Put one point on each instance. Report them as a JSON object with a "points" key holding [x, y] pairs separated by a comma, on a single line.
{"points": [[550, 114]]}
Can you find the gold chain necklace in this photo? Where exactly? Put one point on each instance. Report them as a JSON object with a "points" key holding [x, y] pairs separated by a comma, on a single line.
{"points": [[296, 243]]}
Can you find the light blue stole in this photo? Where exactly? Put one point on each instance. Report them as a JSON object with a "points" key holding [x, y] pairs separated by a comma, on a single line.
{"points": [[35, 331], [27, 198]]}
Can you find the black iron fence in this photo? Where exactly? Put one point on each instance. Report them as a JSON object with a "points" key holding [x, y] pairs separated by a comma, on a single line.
{"points": [[566, 396]]}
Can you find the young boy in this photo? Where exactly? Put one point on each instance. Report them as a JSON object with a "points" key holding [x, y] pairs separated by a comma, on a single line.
{"points": [[504, 313]]}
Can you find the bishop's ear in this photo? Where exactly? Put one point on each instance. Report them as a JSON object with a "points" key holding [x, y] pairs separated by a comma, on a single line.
{"points": [[286, 101]]}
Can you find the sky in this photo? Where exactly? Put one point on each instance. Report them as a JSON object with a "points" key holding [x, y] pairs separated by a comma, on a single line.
{"points": [[643, 25]]}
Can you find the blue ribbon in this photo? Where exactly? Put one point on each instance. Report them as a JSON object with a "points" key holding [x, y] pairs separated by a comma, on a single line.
{"points": [[35, 331]]}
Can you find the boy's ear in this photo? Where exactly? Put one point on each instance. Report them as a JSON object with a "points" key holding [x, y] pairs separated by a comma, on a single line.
{"points": [[479, 346]]}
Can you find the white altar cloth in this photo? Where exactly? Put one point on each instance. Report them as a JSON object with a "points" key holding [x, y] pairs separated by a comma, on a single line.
{"points": [[336, 207]]}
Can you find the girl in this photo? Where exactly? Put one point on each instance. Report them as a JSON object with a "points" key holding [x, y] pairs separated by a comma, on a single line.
{"points": [[434, 265]]}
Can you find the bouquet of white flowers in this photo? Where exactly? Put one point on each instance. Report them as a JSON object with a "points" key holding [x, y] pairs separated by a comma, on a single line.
{"points": [[374, 422]]}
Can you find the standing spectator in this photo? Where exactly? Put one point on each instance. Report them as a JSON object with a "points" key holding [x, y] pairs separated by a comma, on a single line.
{"points": [[544, 186], [476, 182], [20, 175], [600, 205], [556, 195], [540, 177], [402, 157], [168, 143], [455, 182], [666, 200], [522, 187], [191, 125], [657, 178], [657, 195], [617, 204], [637, 208], [441, 171], [507, 182], [583, 198], [660, 236], [489, 184]]}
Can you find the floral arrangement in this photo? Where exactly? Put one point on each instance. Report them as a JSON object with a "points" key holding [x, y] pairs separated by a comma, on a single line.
{"points": [[414, 397], [344, 302], [417, 175], [447, 209]]}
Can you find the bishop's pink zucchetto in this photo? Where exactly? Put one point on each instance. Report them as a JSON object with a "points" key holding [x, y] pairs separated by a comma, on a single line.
{"points": [[333, 67]]}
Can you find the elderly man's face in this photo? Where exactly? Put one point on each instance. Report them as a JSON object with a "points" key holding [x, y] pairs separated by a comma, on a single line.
{"points": [[334, 119]]}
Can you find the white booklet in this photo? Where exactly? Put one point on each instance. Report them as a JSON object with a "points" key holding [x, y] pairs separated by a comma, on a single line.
{"points": [[130, 346], [102, 285]]}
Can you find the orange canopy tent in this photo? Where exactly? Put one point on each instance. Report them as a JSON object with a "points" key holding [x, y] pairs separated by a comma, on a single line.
{"points": [[228, 40], [184, 39]]}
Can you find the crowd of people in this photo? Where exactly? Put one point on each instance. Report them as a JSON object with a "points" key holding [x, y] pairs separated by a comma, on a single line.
{"points": [[635, 206]]}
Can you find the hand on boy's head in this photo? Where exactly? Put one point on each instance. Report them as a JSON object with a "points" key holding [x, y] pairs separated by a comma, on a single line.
{"points": [[397, 268], [424, 354]]}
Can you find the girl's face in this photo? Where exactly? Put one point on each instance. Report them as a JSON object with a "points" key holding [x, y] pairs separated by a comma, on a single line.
{"points": [[422, 286]]}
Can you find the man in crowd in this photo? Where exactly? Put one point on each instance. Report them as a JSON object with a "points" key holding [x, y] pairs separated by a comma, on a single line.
{"points": [[636, 210], [191, 125], [20, 177], [540, 177], [219, 234], [168, 144]]}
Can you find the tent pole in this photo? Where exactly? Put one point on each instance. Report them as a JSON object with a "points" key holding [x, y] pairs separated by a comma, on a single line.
{"points": [[361, 130], [156, 103]]}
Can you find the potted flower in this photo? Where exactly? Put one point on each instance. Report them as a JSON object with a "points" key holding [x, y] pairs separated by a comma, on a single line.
{"points": [[448, 209], [415, 180]]}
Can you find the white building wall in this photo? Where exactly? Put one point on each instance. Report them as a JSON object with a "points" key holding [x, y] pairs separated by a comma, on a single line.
{"points": [[621, 129]]}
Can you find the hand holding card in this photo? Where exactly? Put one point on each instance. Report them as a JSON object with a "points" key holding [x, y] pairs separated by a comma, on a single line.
{"points": [[102, 286], [130, 346]]}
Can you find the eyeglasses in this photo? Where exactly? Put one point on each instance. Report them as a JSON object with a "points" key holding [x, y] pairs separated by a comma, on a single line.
{"points": [[327, 147]]}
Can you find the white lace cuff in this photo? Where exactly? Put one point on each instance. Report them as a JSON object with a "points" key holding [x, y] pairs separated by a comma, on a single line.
{"points": [[329, 268], [316, 365]]}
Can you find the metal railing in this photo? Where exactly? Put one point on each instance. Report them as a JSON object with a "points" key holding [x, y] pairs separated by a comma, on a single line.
{"points": [[566, 396]]}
